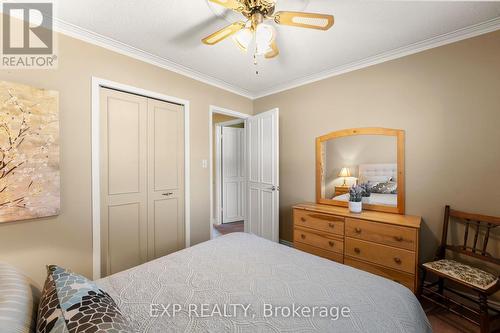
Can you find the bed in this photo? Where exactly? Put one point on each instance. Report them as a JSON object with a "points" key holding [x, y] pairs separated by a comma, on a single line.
{"points": [[241, 268], [374, 199]]}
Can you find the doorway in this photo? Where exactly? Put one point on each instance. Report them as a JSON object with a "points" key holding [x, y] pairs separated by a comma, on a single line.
{"points": [[260, 156], [228, 173]]}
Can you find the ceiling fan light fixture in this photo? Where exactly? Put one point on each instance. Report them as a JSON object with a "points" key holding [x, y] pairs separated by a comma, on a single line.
{"points": [[244, 38], [265, 35]]}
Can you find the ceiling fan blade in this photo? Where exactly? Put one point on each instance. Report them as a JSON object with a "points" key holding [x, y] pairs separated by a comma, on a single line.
{"points": [[305, 20], [231, 4], [223, 33], [274, 51]]}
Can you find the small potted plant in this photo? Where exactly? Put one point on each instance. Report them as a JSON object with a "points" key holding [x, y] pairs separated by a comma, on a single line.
{"points": [[366, 193], [355, 199]]}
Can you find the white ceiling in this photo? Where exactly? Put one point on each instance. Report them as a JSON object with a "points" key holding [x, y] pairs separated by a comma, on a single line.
{"points": [[365, 32]]}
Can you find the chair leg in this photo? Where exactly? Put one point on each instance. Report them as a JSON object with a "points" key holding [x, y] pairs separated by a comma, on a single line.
{"points": [[421, 284], [440, 285], [483, 307]]}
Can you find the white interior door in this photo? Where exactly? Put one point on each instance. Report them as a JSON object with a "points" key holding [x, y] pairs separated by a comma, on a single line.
{"points": [[263, 175], [233, 174]]}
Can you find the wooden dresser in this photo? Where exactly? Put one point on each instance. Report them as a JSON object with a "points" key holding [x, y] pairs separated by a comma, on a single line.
{"points": [[380, 243]]}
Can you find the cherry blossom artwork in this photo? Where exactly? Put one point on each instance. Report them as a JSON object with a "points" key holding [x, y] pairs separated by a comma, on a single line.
{"points": [[29, 152]]}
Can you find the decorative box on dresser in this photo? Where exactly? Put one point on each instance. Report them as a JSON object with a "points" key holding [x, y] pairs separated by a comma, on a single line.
{"points": [[380, 243]]}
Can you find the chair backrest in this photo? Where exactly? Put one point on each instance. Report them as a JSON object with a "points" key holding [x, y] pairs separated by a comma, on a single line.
{"points": [[476, 222]]}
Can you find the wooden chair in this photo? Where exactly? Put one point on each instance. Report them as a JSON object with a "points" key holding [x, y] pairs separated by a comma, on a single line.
{"points": [[470, 278]]}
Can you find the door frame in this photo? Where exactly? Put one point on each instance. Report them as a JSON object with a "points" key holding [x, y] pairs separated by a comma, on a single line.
{"points": [[98, 83], [215, 109]]}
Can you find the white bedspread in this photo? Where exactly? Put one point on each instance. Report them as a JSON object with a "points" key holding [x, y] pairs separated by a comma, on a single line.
{"points": [[374, 199], [245, 269]]}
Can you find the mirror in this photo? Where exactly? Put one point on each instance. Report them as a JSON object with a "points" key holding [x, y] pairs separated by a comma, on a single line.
{"points": [[372, 157]]}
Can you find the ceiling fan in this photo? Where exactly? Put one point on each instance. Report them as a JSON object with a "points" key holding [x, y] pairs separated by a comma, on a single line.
{"points": [[261, 35]]}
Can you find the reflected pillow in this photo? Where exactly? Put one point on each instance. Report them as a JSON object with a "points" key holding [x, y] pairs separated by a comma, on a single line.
{"points": [[385, 188], [378, 179]]}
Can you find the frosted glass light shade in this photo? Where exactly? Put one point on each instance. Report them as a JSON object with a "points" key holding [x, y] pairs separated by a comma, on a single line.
{"points": [[264, 36], [244, 38]]}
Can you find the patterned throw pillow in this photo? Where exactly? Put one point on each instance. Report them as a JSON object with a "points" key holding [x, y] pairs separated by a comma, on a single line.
{"points": [[72, 304], [385, 188]]}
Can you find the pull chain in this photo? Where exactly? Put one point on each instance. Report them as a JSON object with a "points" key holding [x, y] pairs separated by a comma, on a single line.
{"points": [[256, 63]]}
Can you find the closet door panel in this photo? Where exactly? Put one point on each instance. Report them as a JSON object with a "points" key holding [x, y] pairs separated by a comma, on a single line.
{"points": [[166, 232], [124, 229], [166, 178], [124, 151], [166, 150], [123, 137]]}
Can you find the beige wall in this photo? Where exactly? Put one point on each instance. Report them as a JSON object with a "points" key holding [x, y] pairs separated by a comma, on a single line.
{"points": [[66, 240], [446, 99]]}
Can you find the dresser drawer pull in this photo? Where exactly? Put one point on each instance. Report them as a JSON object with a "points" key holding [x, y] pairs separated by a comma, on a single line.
{"points": [[357, 230], [398, 238], [303, 236], [331, 243], [357, 250], [331, 225], [397, 260], [303, 219]]}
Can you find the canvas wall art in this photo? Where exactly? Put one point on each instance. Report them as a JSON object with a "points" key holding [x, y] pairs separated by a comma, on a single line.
{"points": [[29, 152]]}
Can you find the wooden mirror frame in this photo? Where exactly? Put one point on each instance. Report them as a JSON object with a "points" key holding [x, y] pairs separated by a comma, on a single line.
{"points": [[400, 136]]}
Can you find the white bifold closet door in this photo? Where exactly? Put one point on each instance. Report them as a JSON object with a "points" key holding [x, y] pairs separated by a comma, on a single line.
{"points": [[263, 175], [233, 174], [142, 180]]}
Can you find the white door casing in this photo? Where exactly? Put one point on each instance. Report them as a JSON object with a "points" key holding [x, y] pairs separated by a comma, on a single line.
{"points": [[233, 174], [263, 175]]}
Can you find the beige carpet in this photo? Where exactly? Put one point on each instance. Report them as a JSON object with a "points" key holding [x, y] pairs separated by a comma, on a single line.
{"points": [[227, 228]]}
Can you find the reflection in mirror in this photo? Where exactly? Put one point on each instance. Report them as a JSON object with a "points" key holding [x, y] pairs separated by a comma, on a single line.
{"points": [[361, 159]]}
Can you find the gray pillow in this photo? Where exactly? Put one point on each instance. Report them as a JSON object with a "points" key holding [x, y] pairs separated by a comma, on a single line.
{"points": [[385, 188], [18, 301]]}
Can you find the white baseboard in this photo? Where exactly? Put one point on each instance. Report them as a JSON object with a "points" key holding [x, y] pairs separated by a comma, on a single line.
{"points": [[287, 243]]}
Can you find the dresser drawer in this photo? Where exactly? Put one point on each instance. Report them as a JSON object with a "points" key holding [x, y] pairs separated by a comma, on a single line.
{"points": [[318, 240], [329, 223], [407, 280], [388, 256], [393, 235], [338, 257]]}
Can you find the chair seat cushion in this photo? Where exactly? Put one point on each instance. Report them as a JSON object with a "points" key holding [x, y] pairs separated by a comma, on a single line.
{"points": [[467, 274]]}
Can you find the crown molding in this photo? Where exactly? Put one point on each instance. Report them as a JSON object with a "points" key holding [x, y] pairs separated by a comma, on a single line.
{"points": [[125, 49], [447, 38], [133, 52]]}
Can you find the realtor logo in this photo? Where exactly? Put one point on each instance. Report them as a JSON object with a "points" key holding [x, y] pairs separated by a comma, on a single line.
{"points": [[27, 35]]}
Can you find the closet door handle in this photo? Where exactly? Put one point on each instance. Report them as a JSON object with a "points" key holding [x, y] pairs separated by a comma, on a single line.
{"points": [[168, 194]]}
